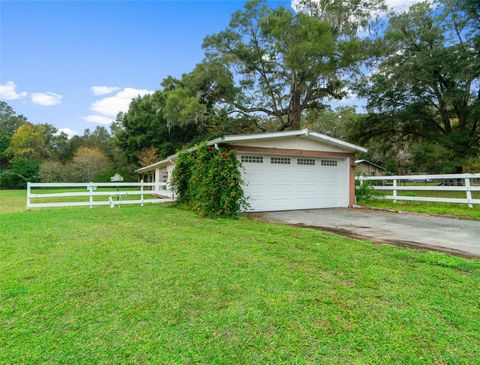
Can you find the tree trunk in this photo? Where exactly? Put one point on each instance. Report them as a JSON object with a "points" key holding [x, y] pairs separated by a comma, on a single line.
{"points": [[296, 111], [295, 122]]}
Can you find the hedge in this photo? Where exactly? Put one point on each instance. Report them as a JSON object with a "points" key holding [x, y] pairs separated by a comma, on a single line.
{"points": [[209, 181]]}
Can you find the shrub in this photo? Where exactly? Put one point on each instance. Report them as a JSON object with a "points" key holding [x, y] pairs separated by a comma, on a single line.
{"points": [[10, 180], [55, 171], [23, 170], [365, 190], [88, 163], [182, 175], [209, 181]]}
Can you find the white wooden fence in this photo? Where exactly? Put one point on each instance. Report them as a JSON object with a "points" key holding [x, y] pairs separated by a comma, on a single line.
{"points": [[449, 182], [115, 196]]}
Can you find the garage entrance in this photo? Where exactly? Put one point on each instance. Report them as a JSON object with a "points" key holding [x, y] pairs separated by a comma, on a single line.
{"points": [[273, 183]]}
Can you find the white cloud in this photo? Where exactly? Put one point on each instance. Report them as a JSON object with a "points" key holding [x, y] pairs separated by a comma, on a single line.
{"points": [[98, 119], [107, 108], [8, 91], [351, 96], [401, 4], [112, 105], [68, 131], [46, 99], [103, 90], [395, 5]]}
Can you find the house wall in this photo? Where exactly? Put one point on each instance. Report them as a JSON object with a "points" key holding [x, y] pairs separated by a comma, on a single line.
{"points": [[299, 143], [364, 169]]}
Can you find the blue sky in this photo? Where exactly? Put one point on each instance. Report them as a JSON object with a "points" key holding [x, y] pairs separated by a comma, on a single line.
{"points": [[54, 53]]}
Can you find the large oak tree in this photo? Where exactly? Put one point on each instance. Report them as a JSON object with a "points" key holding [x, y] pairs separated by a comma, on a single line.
{"points": [[425, 91], [284, 62]]}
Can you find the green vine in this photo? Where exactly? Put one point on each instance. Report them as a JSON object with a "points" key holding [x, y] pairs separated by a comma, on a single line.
{"points": [[209, 181]]}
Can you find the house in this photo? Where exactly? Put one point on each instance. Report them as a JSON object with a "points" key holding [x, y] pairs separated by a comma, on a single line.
{"points": [[367, 168], [285, 170]]}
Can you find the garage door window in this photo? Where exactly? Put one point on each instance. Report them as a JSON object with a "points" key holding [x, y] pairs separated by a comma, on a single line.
{"points": [[280, 160], [329, 163], [251, 159], [305, 161]]}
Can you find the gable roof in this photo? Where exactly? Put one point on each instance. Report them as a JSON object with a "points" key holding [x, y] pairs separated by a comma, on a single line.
{"points": [[369, 163], [298, 133], [259, 136]]}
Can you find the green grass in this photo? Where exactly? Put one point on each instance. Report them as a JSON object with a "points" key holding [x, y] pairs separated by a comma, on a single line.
{"points": [[16, 200], [461, 210], [162, 285], [13, 201]]}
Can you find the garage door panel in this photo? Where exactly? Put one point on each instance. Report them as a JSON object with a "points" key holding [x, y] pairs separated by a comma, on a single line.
{"points": [[292, 186]]}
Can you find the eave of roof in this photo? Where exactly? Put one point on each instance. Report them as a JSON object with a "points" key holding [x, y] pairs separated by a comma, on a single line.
{"points": [[297, 133], [370, 163], [162, 163]]}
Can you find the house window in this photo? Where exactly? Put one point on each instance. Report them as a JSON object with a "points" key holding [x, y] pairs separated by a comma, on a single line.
{"points": [[251, 159], [305, 161], [280, 160], [329, 163]]}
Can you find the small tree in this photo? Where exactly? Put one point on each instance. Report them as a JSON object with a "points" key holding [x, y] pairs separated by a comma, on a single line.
{"points": [[28, 141], [54, 171], [147, 156], [88, 163]]}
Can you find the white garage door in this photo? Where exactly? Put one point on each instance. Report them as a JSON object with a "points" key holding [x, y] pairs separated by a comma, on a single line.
{"points": [[286, 183]]}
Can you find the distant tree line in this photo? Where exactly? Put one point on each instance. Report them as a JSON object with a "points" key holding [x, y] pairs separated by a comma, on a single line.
{"points": [[273, 69], [38, 152]]}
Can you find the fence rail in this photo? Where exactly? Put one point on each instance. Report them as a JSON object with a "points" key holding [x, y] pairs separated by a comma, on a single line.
{"points": [[462, 183], [115, 196]]}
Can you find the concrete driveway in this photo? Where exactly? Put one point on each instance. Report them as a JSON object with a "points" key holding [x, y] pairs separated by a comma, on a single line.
{"points": [[457, 236]]}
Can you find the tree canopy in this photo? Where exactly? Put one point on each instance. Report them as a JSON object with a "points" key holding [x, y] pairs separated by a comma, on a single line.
{"points": [[282, 63], [145, 125], [425, 89]]}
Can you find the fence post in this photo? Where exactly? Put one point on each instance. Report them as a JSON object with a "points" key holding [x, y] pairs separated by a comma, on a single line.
{"points": [[157, 180], [394, 190], [141, 192], [469, 192], [28, 195], [90, 188]]}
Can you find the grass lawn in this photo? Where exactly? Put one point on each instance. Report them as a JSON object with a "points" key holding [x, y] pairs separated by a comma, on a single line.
{"points": [[162, 285], [13, 201], [461, 210], [16, 200]]}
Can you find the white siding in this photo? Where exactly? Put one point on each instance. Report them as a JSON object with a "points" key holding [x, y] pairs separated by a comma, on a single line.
{"points": [[297, 143]]}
